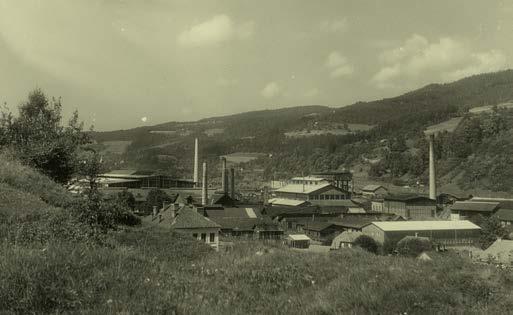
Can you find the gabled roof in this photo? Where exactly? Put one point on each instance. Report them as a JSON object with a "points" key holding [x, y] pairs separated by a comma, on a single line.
{"points": [[287, 202], [503, 202], [298, 237], [476, 206], [241, 224], [304, 189], [240, 213], [426, 225], [317, 226], [222, 199], [373, 188], [187, 218], [346, 236]]}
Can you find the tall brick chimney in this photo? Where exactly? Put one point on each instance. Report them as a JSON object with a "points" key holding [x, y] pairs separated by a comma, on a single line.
{"points": [[432, 172], [196, 166], [204, 190], [224, 178]]}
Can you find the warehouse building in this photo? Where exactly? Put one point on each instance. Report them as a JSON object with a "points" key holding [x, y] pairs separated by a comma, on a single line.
{"points": [[448, 233], [410, 206]]}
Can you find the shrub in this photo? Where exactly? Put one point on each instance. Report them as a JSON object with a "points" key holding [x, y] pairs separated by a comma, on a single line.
{"points": [[413, 246], [366, 242]]}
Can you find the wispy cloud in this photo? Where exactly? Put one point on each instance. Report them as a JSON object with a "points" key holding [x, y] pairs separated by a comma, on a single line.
{"points": [[271, 90], [418, 61], [218, 29], [339, 65]]}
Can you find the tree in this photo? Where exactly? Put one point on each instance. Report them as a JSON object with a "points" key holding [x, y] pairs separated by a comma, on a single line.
{"points": [[491, 230], [155, 198], [366, 242], [126, 198], [40, 140], [413, 246]]}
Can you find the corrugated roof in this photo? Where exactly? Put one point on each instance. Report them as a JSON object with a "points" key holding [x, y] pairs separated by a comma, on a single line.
{"points": [[302, 189], [477, 206], [425, 225], [298, 237], [190, 219]]}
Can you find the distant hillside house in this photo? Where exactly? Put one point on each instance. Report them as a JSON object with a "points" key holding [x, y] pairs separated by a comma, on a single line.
{"points": [[141, 179], [188, 221], [410, 206], [374, 191], [447, 233]]}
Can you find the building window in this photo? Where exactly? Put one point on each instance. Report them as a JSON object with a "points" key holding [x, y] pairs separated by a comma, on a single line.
{"points": [[203, 237], [212, 237], [195, 235]]}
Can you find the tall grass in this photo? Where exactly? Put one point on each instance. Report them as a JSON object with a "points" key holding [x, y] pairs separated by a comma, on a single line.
{"points": [[156, 271]]}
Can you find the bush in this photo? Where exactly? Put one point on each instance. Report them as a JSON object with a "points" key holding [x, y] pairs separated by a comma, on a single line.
{"points": [[413, 246], [368, 243]]}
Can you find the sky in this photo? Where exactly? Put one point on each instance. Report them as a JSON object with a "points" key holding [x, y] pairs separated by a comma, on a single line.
{"points": [[129, 63]]}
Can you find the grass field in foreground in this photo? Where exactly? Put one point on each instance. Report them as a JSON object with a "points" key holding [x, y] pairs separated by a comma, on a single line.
{"points": [[154, 271]]}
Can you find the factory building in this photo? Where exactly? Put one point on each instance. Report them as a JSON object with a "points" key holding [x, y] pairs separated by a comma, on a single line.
{"points": [[448, 233]]}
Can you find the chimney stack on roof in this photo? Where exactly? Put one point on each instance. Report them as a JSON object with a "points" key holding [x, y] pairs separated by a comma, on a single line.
{"points": [[196, 166], [224, 177], [232, 183], [432, 173], [204, 190]]}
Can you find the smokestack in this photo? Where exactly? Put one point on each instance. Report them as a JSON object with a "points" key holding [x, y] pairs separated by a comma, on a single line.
{"points": [[266, 195], [224, 178], [204, 190], [232, 183], [196, 166], [432, 174]]}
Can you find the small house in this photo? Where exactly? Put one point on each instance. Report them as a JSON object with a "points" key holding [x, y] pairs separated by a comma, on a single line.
{"points": [[298, 241], [470, 210], [323, 232], [188, 221]]}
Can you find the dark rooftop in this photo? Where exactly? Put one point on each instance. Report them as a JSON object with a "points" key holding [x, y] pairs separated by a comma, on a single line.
{"points": [[476, 206]]}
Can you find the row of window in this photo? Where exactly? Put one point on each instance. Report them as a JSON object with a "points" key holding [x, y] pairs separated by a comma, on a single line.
{"points": [[327, 197], [212, 237]]}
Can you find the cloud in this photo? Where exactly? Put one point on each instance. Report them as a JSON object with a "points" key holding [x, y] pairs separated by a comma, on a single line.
{"points": [[418, 61], [218, 29], [338, 65], [271, 90], [333, 26]]}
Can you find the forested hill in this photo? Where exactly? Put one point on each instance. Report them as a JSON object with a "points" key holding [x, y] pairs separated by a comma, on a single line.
{"points": [[478, 90], [314, 138], [432, 103]]}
